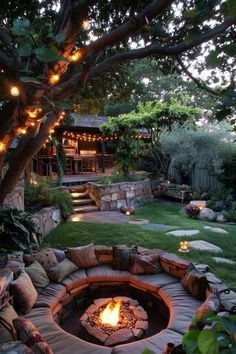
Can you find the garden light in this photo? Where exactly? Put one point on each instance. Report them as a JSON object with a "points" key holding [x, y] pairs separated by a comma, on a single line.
{"points": [[14, 91]]}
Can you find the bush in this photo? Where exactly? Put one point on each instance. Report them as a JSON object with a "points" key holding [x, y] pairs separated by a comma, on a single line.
{"points": [[43, 193], [220, 200], [119, 178], [230, 215], [192, 210], [17, 230]]}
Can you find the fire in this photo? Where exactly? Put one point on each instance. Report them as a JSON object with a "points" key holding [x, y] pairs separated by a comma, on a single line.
{"points": [[110, 315]]}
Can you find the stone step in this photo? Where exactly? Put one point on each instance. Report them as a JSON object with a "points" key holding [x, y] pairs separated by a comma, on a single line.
{"points": [[82, 201], [79, 195], [76, 188], [85, 209]]}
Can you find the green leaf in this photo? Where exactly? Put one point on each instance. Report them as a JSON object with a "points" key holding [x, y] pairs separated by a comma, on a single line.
{"points": [[46, 54], [25, 50], [231, 49], [212, 60], [229, 325], [190, 14], [223, 340], [230, 8], [207, 342], [60, 38], [21, 27], [190, 341], [30, 79]]}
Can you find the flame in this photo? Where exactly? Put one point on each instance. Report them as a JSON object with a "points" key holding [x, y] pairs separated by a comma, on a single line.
{"points": [[110, 315]]}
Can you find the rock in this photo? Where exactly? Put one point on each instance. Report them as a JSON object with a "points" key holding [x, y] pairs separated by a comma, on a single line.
{"points": [[102, 302], [206, 214], [84, 317], [95, 331], [223, 260], [220, 218], [202, 267], [140, 314], [180, 233], [206, 227], [200, 203], [212, 278], [141, 325], [138, 332], [204, 246], [91, 309], [123, 335], [218, 230]]}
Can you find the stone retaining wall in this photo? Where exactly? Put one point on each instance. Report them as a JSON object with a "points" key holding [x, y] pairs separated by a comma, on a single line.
{"points": [[113, 196], [47, 219], [16, 197]]}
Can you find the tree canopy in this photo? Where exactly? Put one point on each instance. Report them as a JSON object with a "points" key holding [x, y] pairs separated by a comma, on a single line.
{"points": [[50, 50]]}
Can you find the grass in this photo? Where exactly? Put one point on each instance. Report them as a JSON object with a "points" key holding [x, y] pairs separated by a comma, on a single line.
{"points": [[75, 233]]}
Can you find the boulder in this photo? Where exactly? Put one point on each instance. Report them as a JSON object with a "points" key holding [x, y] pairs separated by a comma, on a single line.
{"points": [[206, 214], [220, 218]]}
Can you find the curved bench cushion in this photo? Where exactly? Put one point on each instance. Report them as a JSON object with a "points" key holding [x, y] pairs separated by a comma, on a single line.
{"points": [[75, 279], [152, 282], [50, 296], [155, 343], [181, 304], [105, 273], [60, 341]]}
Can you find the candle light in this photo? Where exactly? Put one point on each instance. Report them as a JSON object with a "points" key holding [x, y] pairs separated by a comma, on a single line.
{"points": [[184, 246], [127, 212]]}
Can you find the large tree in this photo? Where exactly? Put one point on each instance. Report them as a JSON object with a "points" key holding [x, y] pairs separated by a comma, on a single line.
{"points": [[51, 53]]}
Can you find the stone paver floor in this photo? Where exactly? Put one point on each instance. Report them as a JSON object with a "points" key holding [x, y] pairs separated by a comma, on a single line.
{"points": [[111, 217]]}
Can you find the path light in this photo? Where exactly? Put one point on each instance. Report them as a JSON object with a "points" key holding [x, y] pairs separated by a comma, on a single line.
{"points": [[86, 25], [127, 212], [14, 91], [184, 246]]}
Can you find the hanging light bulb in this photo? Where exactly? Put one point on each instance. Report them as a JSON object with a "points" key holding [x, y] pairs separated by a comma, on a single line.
{"points": [[86, 25], [14, 91], [75, 56], [54, 78]]}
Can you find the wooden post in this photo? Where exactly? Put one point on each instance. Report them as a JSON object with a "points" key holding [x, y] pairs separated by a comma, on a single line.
{"points": [[103, 156]]}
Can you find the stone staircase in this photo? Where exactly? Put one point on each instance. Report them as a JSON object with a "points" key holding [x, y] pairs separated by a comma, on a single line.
{"points": [[82, 203]]}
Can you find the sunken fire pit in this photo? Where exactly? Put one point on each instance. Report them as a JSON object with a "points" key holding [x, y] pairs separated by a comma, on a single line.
{"points": [[115, 320]]}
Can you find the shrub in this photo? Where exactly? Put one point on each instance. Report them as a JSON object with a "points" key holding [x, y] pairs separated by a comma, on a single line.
{"points": [[192, 210], [220, 200], [44, 193], [119, 178], [17, 230], [230, 215]]}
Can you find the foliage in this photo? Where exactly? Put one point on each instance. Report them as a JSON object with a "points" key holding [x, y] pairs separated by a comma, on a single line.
{"points": [[17, 230], [220, 200], [230, 215], [119, 178], [201, 194], [44, 193], [218, 337], [205, 147], [192, 210], [228, 175]]}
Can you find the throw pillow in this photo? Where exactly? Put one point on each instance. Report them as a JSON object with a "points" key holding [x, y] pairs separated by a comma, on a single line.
{"points": [[83, 256], [14, 347], [62, 270], [24, 293], [38, 275], [29, 335], [121, 256], [211, 304], [7, 330], [46, 258], [195, 282], [60, 254], [145, 264]]}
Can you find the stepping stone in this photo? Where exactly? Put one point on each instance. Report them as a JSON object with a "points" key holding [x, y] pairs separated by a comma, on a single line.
{"points": [[138, 221], [223, 260], [205, 246], [207, 227], [218, 230], [157, 227], [180, 233]]}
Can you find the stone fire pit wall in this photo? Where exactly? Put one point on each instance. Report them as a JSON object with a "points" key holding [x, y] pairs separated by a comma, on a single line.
{"points": [[113, 196]]}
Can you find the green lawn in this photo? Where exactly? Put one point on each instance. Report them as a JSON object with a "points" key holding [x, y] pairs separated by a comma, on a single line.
{"points": [[76, 233]]}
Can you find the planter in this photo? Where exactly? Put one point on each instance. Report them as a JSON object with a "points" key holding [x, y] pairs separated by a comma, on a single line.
{"points": [[114, 196]]}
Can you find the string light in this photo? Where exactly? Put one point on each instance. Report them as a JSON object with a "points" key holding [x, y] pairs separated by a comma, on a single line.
{"points": [[32, 124], [75, 56], [33, 112], [54, 79], [86, 25], [2, 146], [14, 91], [22, 131]]}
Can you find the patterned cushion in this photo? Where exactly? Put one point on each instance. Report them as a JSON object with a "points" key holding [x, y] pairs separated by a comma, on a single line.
{"points": [[121, 256], [38, 275], [14, 347], [145, 264], [46, 258], [60, 254], [29, 335], [24, 293], [62, 270], [83, 256], [195, 282], [7, 330]]}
